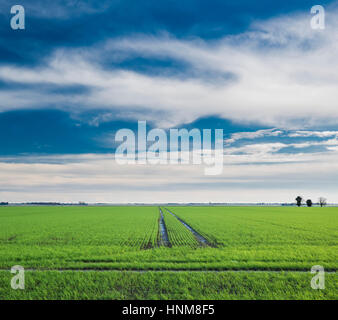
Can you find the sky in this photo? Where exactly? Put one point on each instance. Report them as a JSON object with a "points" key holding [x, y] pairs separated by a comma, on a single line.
{"points": [[82, 70]]}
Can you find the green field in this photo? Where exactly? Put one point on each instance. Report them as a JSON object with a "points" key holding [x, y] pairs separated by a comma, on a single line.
{"points": [[96, 252]]}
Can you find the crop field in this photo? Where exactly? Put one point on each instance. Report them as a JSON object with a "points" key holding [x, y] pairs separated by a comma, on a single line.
{"points": [[178, 234], [269, 237], [88, 252]]}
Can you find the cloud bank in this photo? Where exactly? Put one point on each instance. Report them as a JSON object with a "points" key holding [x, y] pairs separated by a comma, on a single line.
{"points": [[254, 171], [279, 73]]}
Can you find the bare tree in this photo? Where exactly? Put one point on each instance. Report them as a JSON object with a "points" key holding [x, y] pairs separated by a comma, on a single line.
{"points": [[309, 203], [299, 200], [322, 201]]}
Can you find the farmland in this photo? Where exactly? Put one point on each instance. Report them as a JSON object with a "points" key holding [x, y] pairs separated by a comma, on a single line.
{"points": [[252, 252], [178, 234]]}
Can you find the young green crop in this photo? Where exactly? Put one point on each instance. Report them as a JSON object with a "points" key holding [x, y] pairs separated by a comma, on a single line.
{"points": [[178, 234], [167, 285], [247, 238], [115, 226], [47, 237], [119, 238], [293, 238]]}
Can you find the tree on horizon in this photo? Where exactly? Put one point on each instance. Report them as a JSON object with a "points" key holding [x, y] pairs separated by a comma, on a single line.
{"points": [[299, 200], [322, 201]]}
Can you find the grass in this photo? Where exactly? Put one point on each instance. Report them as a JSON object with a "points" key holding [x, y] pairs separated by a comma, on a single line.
{"points": [[62, 226], [126, 238], [166, 285], [293, 238], [178, 234]]}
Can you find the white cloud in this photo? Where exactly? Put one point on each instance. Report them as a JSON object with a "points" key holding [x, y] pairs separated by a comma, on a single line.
{"points": [[319, 134], [253, 172], [105, 181], [254, 135], [282, 72]]}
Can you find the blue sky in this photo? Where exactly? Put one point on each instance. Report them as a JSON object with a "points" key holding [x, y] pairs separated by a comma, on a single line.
{"points": [[81, 70]]}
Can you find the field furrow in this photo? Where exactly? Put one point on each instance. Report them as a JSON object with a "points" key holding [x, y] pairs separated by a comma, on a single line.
{"points": [[178, 234]]}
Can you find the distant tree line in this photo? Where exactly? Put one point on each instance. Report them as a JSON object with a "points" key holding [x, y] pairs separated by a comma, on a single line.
{"points": [[80, 203], [321, 201]]}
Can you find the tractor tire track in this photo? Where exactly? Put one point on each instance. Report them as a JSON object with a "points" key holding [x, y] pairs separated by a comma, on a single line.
{"points": [[203, 241], [163, 233], [170, 270]]}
